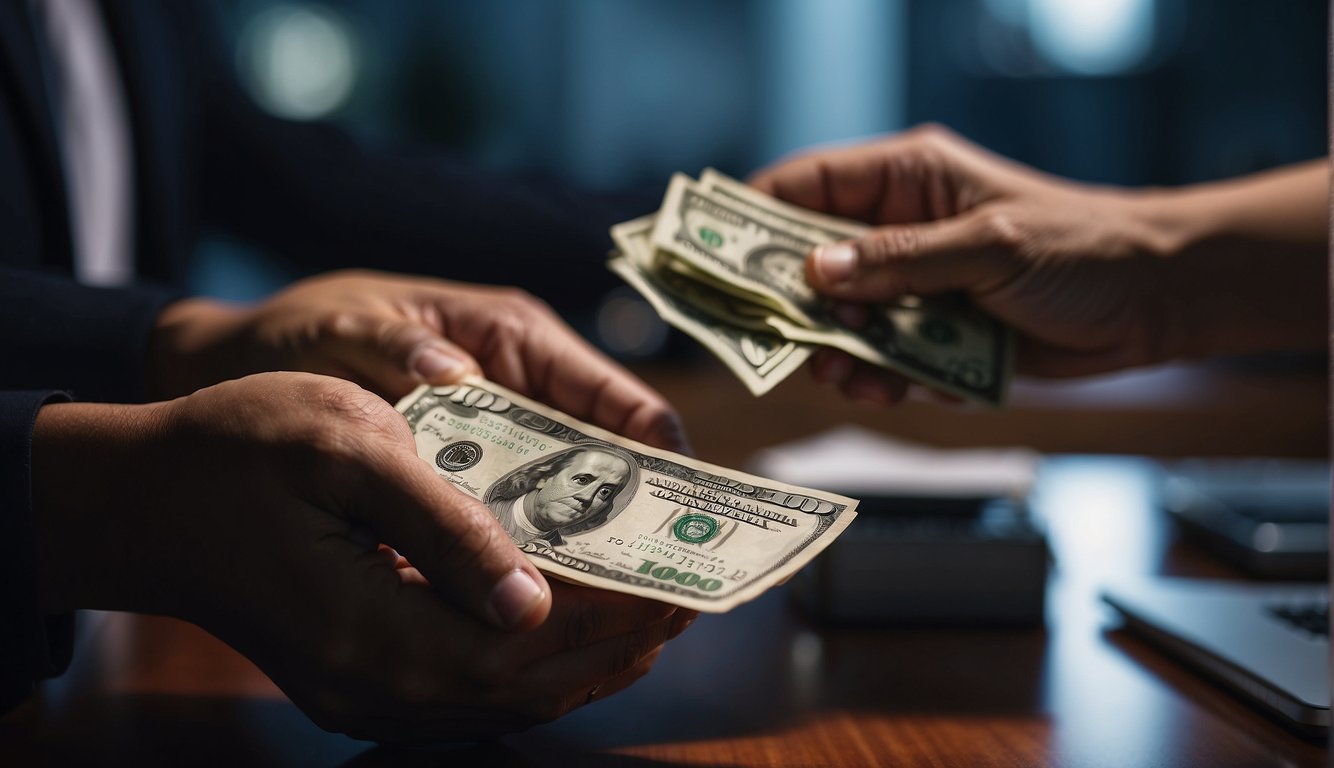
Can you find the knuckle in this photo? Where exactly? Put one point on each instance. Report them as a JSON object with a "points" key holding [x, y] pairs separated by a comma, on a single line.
{"points": [[511, 323], [398, 335], [889, 245], [517, 315], [1001, 228], [934, 135], [339, 323], [347, 402], [348, 425], [517, 299], [526, 306]]}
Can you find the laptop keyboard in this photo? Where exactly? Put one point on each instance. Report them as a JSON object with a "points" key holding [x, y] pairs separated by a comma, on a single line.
{"points": [[1308, 617]]}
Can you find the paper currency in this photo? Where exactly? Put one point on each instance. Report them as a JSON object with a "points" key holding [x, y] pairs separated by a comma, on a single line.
{"points": [[598, 509], [730, 328], [750, 248]]}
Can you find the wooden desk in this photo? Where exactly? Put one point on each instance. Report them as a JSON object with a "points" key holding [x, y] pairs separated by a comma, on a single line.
{"points": [[759, 686]]}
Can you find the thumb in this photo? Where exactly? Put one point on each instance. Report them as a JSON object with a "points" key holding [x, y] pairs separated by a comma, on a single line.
{"points": [[960, 253], [452, 539]]}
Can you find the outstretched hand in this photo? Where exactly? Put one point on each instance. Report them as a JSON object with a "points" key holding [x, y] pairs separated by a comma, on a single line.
{"points": [[1091, 278], [255, 508], [391, 333]]}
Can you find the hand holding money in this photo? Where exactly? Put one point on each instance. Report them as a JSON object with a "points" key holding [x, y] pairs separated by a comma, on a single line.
{"points": [[1091, 278], [254, 509], [597, 509], [725, 264]]}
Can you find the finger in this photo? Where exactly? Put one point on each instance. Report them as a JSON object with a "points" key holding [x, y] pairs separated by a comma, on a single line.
{"points": [[582, 616], [522, 344], [391, 356], [847, 181], [589, 386], [959, 253], [681, 621], [580, 670], [626, 678], [453, 540], [920, 174]]}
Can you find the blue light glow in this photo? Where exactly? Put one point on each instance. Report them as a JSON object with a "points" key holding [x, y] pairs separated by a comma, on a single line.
{"points": [[1093, 37]]}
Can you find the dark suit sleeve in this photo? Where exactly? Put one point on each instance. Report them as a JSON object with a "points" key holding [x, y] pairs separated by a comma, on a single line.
{"points": [[32, 647], [54, 335], [318, 197], [93, 342]]}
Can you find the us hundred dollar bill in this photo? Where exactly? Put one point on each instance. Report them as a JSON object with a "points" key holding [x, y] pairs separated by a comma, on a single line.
{"points": [[594, 508], [754, 247], [735, 331]]}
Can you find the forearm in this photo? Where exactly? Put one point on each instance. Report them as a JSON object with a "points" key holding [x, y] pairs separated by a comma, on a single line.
{"points": [[88, 494], [1247, 260]]}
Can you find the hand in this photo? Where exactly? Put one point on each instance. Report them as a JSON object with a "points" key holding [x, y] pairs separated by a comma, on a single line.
{"points": [[1092, 279], [391, 333], [253, 509]]}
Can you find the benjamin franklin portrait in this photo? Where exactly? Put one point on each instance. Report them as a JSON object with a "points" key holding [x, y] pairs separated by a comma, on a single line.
{"points": [[568, 492]]}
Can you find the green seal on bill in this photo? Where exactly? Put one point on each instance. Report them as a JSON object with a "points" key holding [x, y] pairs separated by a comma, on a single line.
{"points": [[710, 237], [695, 529]]}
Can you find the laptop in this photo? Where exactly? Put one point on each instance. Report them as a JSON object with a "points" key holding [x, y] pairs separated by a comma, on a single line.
{"points": [[1268, 642]]}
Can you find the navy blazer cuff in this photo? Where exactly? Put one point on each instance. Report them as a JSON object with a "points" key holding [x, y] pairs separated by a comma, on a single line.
{"points": [[32, 646]]}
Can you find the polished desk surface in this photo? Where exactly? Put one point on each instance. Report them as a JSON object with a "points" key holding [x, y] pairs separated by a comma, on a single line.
{"points": [[761, 686]]}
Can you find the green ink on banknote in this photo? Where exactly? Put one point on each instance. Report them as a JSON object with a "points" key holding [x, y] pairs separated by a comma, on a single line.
{"points": [[695, 529]]}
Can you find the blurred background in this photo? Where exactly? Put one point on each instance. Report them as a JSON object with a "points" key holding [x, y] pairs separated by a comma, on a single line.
{"points": [[614, 94]]}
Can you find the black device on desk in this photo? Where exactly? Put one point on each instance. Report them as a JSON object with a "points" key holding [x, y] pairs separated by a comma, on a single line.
{"points": [[942, 536], [930, 560], [1269, 517]]}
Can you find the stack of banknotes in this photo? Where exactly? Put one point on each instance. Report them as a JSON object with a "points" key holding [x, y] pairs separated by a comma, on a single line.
{"points": [[598, 509], [725, 264]]}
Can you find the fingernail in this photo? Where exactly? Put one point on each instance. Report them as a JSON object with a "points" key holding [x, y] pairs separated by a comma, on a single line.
{"points": [[514, 598], [433, 364], [835, 263]]}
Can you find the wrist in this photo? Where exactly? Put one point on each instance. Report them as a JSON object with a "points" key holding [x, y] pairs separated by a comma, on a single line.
{"points": [[90, 502], [1243, 263], [193, 344]]}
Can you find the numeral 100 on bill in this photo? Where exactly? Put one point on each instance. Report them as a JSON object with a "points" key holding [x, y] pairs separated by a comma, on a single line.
{"points": [[684, 578]]}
